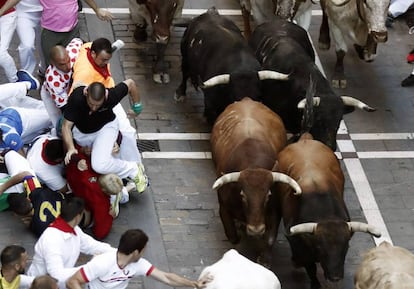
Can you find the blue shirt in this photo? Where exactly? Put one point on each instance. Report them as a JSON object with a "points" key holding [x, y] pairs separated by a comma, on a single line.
{"points": [[11, 125]]}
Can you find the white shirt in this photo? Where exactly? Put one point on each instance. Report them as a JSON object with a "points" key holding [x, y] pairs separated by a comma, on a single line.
{"points": [[103, 272], [56, 252], [48, 174]]}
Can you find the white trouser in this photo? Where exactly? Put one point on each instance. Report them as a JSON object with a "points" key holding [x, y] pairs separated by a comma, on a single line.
{"points": [[101, 142], [14, 94], [54, 112], [16, 163], [7, 28], [398, 7], [34, 122], [129, 150], [28, 29]]}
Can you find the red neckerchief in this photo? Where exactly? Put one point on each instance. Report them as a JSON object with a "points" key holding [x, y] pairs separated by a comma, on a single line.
{"points": [[61, 225], [44, 157], [104, 71]]}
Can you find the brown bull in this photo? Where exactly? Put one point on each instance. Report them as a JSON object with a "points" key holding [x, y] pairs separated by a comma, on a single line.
{"points": [[159, 14], [317, 222], [245, 140]]}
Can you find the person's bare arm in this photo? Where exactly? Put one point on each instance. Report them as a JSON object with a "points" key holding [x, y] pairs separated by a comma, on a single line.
{"points": [[67, 137], [101, 13], [9, 4], [76, 281], [175, 280], [136, 106], [14, 180], [133, 90]]}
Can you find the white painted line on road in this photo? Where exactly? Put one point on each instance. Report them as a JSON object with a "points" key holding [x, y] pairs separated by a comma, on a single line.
{"points": [[174, 136], [176, 155], [366, 198], [226, 12], [206, 136], [382, 136], [386, 155]]}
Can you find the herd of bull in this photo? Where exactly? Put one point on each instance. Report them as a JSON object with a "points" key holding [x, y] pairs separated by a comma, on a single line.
{"points": [[254, 92]]}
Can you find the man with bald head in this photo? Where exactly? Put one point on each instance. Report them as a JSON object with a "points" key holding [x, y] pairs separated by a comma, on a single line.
{"points": [[55, 89]]}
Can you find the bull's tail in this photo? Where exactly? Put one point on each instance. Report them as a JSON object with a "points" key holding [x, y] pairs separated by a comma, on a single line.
{"points": [[308, 116]]}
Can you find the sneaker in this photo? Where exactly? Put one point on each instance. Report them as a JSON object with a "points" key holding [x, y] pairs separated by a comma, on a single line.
{"points": [[125, 196], [23, 75], [115, 204], [130, 186], [141, 179], [409, 81]]}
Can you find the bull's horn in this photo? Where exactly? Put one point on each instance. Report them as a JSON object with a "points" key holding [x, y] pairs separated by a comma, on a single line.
{"points": [[363, 227], [270, 74], [216, 80], [283, 178], [340, 2], [351, 101], [303, 228], [316, 102], [227, 178]]}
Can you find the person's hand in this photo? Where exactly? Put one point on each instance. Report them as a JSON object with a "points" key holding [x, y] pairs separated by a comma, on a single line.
{"points": [[104, 14], [82, 166], [69, 155], [202, 282], [131, 114], [115, 148]]}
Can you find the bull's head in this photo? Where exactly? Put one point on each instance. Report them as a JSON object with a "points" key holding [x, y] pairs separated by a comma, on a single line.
{"points": [[161, 16], [255, 193], [287, 9], [328, 112], [330, 239], [244, 84], [374, 13]]}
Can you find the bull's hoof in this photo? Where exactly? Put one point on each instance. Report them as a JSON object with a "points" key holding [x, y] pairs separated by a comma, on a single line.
{"points": [[162, 78], [179, 98], [140, 33], [339, 83]]}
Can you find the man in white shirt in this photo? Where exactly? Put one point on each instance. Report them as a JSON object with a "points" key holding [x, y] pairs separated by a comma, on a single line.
{"points": [[45, 155], [58, 248], [113, 270]]}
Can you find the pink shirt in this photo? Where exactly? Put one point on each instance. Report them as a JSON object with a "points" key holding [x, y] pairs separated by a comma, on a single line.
{"points": [[59, 15]]}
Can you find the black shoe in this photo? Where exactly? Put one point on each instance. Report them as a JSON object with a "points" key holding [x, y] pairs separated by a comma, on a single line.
{"points": [[409, 81]]}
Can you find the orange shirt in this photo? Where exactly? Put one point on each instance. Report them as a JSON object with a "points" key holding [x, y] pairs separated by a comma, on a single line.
{"points": [[85, 71]]}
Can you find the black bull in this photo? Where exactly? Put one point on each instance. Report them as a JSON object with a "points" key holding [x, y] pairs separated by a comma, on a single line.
{"points": [[283, 46], [217, 58]]}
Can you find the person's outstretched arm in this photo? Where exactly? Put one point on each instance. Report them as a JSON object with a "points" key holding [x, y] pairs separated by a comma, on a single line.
{"points": [[101, 13]]}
